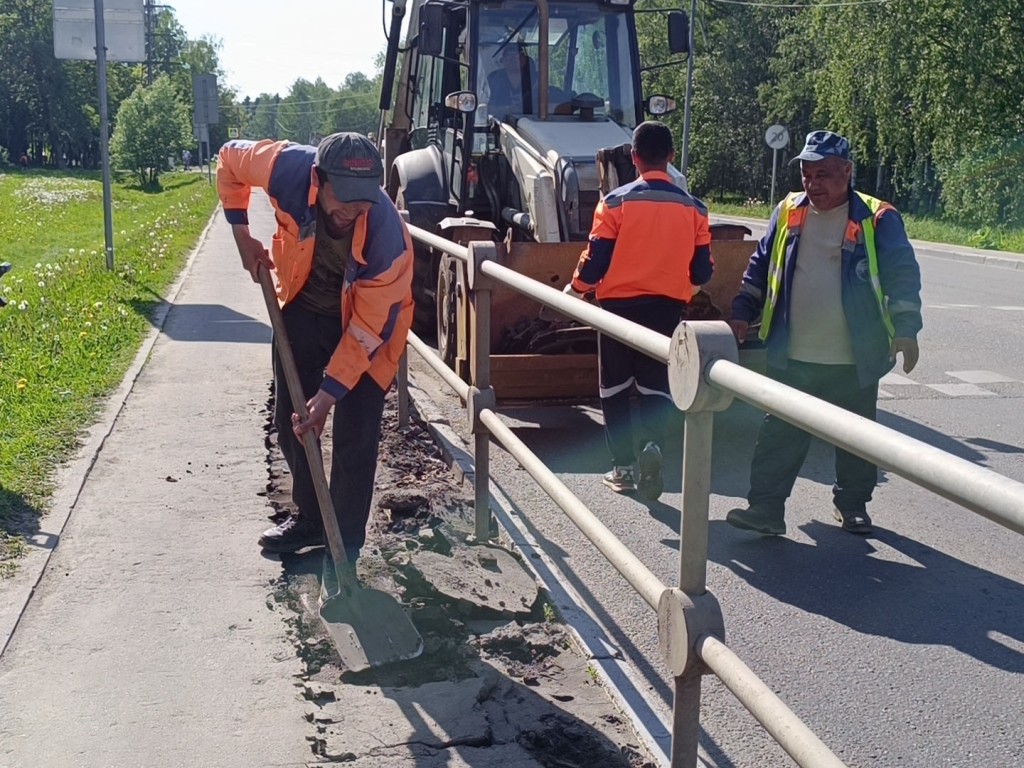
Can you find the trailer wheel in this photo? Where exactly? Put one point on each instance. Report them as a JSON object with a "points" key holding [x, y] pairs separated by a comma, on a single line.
{"points": [[447, 312]]}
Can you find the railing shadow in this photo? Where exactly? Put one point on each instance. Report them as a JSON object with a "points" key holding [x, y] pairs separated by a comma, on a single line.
{"points": [[934, 599]]}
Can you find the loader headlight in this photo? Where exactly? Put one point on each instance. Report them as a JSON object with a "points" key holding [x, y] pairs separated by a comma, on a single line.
{"points": [[660, 105], [462, 101]]}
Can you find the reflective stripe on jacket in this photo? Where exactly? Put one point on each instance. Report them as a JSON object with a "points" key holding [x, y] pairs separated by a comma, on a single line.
{"points": [[881, 281], [376, 301], [643, 242]]}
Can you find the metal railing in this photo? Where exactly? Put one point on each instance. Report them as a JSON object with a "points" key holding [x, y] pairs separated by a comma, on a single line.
{"points": [[704, 378]]}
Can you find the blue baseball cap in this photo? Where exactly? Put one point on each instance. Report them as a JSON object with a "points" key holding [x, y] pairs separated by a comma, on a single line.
{"points": [[822, 144]]}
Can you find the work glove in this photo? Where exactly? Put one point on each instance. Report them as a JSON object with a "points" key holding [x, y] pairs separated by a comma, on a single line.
{"points": [[570, 291]]}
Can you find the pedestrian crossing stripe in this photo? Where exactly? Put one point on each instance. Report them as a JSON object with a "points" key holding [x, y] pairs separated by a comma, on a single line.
{"points": [[894, 386]]}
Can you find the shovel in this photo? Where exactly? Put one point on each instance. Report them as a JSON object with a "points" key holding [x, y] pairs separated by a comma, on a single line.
{"points": [[368, 627]]}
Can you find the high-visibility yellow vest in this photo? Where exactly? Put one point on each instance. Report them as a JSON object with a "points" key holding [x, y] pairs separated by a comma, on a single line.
{"points": [[791, 219]]}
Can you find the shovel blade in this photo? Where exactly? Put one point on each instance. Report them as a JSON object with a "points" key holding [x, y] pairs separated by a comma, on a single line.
{"points": [[369, 628]]}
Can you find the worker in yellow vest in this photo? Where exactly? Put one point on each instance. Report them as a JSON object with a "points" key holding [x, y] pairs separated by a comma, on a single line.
{"points": [[837, 287]]}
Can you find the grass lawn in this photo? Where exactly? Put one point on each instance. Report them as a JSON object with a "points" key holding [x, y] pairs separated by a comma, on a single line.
{"points": [[918, 228], [71, 327]]}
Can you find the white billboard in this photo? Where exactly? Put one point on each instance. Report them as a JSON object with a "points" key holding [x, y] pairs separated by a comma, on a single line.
{"points": [[124, 29]]}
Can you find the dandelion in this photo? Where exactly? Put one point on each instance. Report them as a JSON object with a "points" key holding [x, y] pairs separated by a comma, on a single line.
{"points": [[39, 265], [22, 383], [23, 305], [98, 305], [81, 252], [71, 251], [93, 253], [88, 324], [83, 334], [41, 284]]}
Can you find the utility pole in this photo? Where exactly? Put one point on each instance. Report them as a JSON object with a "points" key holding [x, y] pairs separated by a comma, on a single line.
{"points": [[101, 77], [150, 53], [684, 161]]}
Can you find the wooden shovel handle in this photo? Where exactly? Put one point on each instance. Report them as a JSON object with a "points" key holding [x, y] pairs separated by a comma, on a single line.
{"points": [[309, 442]]}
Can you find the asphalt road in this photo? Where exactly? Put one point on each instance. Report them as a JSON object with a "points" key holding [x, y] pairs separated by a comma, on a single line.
{"points": [[905, 649]]}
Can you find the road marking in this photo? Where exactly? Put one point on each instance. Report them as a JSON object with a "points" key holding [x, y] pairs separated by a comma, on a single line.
{"points": [[961, 390], [895, 380], [975, 306], [980, 377]]}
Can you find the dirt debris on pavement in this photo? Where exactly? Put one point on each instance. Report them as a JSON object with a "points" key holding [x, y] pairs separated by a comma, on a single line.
{"points": [[500, 681]]}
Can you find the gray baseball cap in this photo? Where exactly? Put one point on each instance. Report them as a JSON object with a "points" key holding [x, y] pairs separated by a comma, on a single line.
{"points": [[353, 167]]}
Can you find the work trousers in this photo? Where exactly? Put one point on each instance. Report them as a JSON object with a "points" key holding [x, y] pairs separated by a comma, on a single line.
{"points": [[621, 368], [782, 448], [356, 426]]}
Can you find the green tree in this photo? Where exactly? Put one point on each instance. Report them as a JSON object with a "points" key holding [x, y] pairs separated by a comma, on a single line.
{"points": [[152, 123]]}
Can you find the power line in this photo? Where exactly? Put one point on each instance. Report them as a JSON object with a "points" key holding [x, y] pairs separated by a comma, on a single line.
{"points": [[800, 6]]}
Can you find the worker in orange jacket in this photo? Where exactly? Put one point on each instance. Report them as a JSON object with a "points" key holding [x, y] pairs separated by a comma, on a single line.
{"points": [[343, 261], [649, 250]]}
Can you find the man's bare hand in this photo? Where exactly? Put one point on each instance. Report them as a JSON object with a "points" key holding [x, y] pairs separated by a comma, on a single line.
{"points": [[739, 330], [319, 407], [252, 252], [911, 352]]}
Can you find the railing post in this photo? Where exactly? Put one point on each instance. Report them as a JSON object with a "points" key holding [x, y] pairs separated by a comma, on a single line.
{"points": [[403, 388], [689, 612], [481, 395]]}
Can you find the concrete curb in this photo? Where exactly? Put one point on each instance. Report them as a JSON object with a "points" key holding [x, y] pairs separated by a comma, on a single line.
{"points": [[590, 636], [71, 477]]}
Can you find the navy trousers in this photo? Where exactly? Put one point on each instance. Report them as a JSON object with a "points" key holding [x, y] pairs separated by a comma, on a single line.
{"points": [[356, 426], [622, 368], [781, 447]]}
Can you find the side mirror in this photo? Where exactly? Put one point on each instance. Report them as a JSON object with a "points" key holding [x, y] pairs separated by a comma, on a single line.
{"points": [[430, 41], [461, 101], [678, 32], [658, 105]]}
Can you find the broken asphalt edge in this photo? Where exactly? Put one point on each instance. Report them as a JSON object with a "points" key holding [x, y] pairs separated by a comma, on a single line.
{"points": [[591, 637], [72, 476]]}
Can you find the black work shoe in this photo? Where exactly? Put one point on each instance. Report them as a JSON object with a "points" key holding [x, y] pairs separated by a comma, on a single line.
{"points": [[650, 479], [757, 520], [295, 533], [854, 522]]}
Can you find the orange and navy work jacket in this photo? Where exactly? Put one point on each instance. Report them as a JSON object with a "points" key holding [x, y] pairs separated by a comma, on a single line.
{"points": [[376, 300], [649, 239]]}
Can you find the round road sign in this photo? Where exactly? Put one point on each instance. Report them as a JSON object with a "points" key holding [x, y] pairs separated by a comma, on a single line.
{"points": [[776, 136]]}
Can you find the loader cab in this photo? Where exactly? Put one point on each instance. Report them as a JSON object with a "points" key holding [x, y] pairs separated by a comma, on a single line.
{"points": [[477, 74]]}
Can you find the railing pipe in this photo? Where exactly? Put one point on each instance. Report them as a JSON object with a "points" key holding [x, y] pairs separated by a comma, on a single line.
{"points": [[436, 364], [439, 243], [981, 490], [768, 709], [639, 576], [649, 342]]}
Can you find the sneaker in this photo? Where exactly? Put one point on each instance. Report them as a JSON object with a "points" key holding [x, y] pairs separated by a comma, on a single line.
{"points": [[853, 521], [295, 533], [757, 520], [650, 479], [620, 480]]}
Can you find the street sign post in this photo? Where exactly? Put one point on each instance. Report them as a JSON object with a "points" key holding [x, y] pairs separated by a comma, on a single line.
{"points": [[80, 30], [775, 137], [205, 112]]}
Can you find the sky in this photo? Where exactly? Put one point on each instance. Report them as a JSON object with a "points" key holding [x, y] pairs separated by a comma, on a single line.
{"points": [[267, 46]]}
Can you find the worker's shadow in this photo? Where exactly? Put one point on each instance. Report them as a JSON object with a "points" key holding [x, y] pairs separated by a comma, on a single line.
{"points": [[929, 598]]}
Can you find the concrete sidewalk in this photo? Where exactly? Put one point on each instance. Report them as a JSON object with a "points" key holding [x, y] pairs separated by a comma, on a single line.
{"points": [[148, 640], [145, 630]]}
